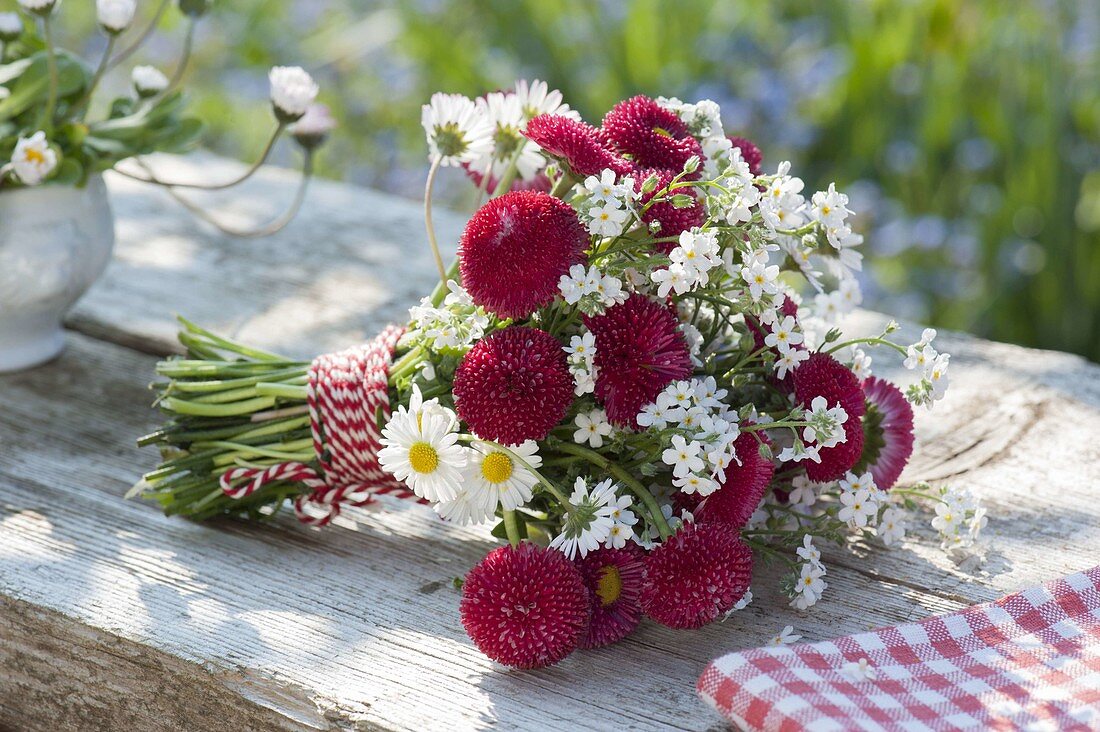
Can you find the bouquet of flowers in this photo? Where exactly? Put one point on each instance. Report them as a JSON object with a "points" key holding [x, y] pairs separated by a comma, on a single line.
{"points": [[630, 372], [47, 96]]}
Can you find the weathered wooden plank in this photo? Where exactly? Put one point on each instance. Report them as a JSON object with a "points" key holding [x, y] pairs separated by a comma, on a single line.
{"points": [[356, 626]]}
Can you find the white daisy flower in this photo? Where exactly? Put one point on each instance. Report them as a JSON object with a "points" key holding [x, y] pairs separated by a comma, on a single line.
{"points": [[292, 91], [457, 130], [505, 114], [469, 506], [420, 448], [500, 476], [33, 159], [536, 97]]}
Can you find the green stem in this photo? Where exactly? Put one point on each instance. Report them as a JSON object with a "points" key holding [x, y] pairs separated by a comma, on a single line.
{"points": [[565, 182], [656, 515], [511, 526], [82, 105], [185, 56], [264, 155], [51, 66], [285, 391], [869, 341], [274, 226], [133, 47], [428, 223]]}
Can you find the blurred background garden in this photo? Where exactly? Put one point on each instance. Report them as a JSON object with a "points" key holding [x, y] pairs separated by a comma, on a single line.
{"points": [[967, 132]]}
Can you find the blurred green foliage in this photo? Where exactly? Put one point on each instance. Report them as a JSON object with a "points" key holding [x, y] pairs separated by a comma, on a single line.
{"points": [[966, 131]]}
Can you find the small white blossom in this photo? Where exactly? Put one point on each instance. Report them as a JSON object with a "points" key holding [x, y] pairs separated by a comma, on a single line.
{"points": [[761, 279], [825, 423], [606, 219], [785, 637], [683, 457], [592, 428], [891, 527], [590, 524], [788, 361], [857, 507], [784, 336], [809, 553], [809, 586]]}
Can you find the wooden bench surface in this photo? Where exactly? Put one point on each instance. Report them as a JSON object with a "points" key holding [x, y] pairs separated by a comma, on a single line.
{"points": [[115, 617]]}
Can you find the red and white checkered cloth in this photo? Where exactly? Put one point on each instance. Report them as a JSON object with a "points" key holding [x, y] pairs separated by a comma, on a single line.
{"points": [[1030, 660]]}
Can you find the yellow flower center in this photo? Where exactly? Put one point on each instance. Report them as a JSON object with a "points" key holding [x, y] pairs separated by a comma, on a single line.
{"points": [[496, 467], [609, 585], [423, 458], [34, 155]]}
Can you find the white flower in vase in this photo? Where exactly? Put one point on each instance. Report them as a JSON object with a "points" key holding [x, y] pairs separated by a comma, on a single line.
{"points": [[148, 81], [115, 16], [33, 159], [292, 91]]}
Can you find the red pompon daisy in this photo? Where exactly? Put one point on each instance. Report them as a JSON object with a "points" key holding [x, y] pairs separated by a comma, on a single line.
{"points": [[654, 137], [839, 459], [750, 153], [614, 581], [578, 145], [515, 249], [672, 221], [696, 575], [539, 183], [745, 485], [525, 606], [639, 351], [887, 431], [823, 375], [513, 385]]}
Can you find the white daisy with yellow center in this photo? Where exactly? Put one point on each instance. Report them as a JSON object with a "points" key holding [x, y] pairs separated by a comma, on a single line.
{"points": [[420, 447], [504, 476]]}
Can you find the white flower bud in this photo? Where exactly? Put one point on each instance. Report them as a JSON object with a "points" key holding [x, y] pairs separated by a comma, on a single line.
{"points": [[11, 27], [292, 91], [39, 7], [314, 127], [115, 16], [148, 81]]}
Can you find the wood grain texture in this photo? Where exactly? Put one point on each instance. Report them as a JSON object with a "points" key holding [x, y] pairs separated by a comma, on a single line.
{"points": [[113, 616]]}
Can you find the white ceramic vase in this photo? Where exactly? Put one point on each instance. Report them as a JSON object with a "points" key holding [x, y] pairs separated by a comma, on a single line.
{"points": [[55, 241]]}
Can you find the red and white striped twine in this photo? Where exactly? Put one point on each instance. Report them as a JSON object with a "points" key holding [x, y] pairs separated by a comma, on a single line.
{"points": [[347, 392]]}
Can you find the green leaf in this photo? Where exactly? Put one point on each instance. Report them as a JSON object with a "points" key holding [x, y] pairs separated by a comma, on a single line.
{"points": [[32, 86], [14, 70]]}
